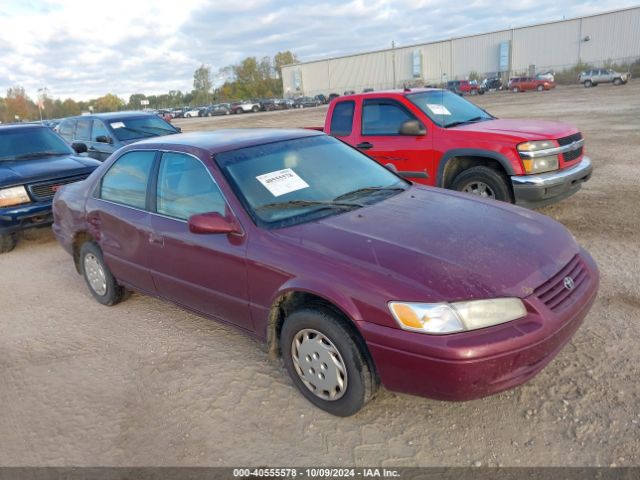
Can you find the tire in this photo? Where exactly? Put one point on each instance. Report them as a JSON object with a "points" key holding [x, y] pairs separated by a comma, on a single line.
{"points": [[8, 242], [255, 109], [540, 88], [332, 348], [93, 270], [187, 116], [484, 182], [588, 84], [617, 82], [515, 89]]}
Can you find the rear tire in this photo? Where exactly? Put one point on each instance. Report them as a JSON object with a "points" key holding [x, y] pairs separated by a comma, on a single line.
{"points": [[102, 284], [8, 242], [484, 182], [325, 359]]}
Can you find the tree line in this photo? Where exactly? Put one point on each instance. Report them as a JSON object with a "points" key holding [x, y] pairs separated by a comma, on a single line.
{"points": [[251, 78]]}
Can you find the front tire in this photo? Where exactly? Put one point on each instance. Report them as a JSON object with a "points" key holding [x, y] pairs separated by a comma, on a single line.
{"points": [[8, 242], [540, 88], [102, 284], [617, 82], [484, 182], [326, 361]]}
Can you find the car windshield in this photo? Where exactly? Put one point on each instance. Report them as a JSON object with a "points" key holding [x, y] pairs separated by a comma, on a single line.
{"points": [[140, 127], [28, 143], [295, 181], [447, 109]]}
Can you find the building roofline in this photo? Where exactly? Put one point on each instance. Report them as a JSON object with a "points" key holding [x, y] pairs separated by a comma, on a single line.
{"points": [[451, 39]]}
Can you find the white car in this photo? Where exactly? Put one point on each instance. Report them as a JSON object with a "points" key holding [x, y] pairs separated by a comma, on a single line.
{"points": [[194, 112]]}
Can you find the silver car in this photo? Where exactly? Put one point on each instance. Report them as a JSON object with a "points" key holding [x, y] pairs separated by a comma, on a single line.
{"points": [[593, 77]]}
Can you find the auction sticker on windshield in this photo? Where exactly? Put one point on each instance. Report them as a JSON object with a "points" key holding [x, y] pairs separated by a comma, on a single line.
{"points": [[282, 182], [117, 125], [438, 109]]}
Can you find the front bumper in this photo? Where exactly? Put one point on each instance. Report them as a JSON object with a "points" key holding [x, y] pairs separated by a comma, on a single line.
{"points": [[483, 362], [535, 191], [23, 217]]}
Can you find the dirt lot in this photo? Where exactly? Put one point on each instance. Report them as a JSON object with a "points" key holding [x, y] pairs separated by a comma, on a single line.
{"points": [[145, 383]]}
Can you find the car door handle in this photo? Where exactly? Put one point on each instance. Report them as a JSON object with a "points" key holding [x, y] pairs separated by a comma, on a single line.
{"points": [[364, 146], [156, 240]]}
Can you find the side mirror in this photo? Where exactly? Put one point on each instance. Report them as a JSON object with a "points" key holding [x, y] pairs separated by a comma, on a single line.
{"points": [[79, 147], [179, 129], [104, 139], [412, 128], [212, 223], [391, 167]]}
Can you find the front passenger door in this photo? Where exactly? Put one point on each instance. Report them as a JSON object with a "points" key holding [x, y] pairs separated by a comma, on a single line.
{"points": [[203, 272], [100, 150]]}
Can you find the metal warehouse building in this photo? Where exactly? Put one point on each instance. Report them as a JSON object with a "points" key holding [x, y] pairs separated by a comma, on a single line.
{"points": [[611, 37]]}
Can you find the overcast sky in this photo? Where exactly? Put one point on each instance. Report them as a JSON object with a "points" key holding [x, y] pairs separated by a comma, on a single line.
{"points": [[86, 48]]}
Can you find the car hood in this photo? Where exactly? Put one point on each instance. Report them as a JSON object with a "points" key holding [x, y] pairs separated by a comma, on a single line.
{"points": [[523, 129], [454, 246], [20, 172]]}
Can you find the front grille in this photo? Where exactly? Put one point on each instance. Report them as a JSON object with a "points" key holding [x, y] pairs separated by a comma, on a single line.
{"points": [[553, 292], [46, 190], [570, 139], [572, 155]]}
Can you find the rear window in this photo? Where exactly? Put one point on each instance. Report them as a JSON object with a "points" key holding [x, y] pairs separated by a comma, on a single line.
{"points": [[342, 119]]}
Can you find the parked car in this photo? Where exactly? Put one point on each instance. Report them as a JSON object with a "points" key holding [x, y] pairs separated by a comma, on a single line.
{"points": [[438, 138], [305, 102], [464, 87], [193, 112], [245, 106], [355, 276], [523, 84], [593, 77], [179, 112], [332, 96], [267, 104], [215, 110], [104, 133], [321, 98], [34, 163], [492, 83]]}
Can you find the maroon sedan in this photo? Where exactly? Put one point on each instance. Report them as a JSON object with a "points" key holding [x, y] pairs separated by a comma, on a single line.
{"points": [[354, 275]]}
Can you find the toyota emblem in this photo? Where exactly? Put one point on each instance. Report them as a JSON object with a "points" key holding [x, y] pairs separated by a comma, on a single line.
{"points": [[569, 283]]}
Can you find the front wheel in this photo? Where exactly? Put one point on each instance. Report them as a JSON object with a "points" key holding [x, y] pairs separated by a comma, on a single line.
{"points": [[326, 361], [484, 182], [255, 109], [102, 284], [8, 242], [588, 84], [617, 82], [540, 88]]}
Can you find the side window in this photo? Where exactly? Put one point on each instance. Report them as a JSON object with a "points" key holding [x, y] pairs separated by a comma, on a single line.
{"points": [[66, 130], [342, 119], [185, 188], [98, 130], [383, 117], [127, 179], [83, 129]]}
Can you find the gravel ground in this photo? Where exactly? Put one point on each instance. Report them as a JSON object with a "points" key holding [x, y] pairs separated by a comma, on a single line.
{"points": [[146, 383]]}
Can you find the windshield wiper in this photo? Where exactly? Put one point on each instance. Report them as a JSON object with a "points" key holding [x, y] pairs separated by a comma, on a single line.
{"points": [[160, 128], [309, 203], [355, 193], [471, 120], [142, 132], [38, 155]]}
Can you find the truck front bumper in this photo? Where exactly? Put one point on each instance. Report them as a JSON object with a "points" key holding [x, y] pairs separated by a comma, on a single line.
{"points": [[535, 191], [23, 217]]}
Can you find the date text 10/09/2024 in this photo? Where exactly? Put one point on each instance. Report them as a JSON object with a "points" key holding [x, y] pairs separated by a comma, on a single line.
{"points": [[315, 472]]}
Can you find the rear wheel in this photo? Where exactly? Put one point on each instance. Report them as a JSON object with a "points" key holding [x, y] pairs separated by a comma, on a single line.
{"points": [[326, 361], [102, 284], [484, 182], [8, 242]]}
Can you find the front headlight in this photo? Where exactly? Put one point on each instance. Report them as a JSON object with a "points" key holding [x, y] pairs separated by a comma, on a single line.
{"points": [[13, 196], [441, 318], [535, 158]]}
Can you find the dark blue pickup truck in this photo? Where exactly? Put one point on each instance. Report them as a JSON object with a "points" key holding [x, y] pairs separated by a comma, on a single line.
{"points": [[34, 163]]}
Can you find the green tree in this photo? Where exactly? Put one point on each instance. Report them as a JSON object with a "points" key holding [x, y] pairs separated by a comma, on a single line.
{"points": [[108, 103], [202, 83], [134, 101], [283, 58]]}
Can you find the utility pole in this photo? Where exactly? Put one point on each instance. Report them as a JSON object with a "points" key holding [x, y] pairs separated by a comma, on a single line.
{"points": [[393, 60]]}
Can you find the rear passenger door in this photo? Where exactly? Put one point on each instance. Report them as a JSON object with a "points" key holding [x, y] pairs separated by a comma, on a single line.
{"points": [[203, 272]]}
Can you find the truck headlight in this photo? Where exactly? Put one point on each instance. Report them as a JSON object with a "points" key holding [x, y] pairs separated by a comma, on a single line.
{"points": [[13, 196], [539, 156], [442, 318]]}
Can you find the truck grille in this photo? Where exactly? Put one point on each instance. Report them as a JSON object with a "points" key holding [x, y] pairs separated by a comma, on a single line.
{"points": [[555, 294], [573, 154], [46, 190]]}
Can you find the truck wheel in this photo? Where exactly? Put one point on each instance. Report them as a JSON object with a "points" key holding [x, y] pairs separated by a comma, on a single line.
{"points": [[588, 84], [102, 284], [255, 109], [484, 182], [540, 88], [326, 361], [8, 242], [617, 81]]}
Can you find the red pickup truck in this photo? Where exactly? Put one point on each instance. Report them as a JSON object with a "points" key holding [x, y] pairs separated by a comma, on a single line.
{"points": [[437, 138]]}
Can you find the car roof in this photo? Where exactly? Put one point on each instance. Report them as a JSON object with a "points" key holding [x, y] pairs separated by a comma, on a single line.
{"points": [[217, 141], [114, 115], [399, 91], [21, 126]]}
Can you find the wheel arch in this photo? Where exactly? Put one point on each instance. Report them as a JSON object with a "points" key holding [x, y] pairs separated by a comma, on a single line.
{"points": [[455, 161], [79, 238]]}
